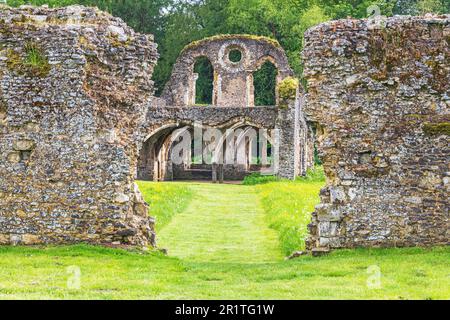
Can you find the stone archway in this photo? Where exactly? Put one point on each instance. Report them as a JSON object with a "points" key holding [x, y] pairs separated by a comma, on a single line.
{"points": [[237, 148]]}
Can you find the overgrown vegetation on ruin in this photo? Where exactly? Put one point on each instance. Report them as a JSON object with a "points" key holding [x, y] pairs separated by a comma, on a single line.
{"points": [[32, 62], [287, 90], [442, 128]]}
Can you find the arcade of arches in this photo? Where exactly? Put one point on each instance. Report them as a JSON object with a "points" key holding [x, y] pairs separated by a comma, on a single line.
{"points": [[227, 86]]}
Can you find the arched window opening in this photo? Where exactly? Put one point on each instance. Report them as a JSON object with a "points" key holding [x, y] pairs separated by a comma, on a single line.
{"points": [[265, 82], [205, 81]]}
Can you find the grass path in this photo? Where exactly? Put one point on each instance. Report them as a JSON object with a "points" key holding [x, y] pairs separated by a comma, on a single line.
{"points": [[223, 223], [220, 247]]}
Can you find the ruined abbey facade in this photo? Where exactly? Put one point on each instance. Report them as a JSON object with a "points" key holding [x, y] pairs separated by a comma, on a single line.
{"points": [[232, 113], [80, 122]]}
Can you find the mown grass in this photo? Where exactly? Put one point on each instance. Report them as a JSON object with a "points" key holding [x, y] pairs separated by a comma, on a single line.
{"points": [[46, 273], [230, 255], [223, 223], [288, 206], [165, 200]]}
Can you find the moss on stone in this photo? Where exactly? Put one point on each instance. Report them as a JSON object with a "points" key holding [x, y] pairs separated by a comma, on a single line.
{"points": [[232, 36], [434, 129], [115, 42], [85, 43], [36, 60], [33, 63], [14, 61]]}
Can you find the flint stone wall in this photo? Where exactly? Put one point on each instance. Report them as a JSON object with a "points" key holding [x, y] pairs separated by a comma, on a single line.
{"points": [[380, 97], [75, 84]]}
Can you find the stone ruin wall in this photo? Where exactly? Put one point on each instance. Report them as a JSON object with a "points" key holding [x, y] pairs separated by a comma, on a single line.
{"points": [[233, 81], [76, 90], [233, 99], [380, 98], [68, 124]]}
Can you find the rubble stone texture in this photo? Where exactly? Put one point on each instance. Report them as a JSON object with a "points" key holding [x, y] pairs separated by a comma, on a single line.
{"points": [[75, 84], [379, 94]]}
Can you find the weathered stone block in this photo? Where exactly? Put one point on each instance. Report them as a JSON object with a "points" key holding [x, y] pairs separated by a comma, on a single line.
{"points": [[24, 145], [30, 239], [378, 96], [4, 239], [62, 181], [14, 157]]}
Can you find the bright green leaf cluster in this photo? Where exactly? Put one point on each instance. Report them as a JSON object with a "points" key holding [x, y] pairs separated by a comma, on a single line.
{"points": [[287, 90]]}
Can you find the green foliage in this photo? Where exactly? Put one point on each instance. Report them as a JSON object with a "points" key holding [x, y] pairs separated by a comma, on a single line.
{"points": [[431, 6], [205, 81], [317, 160], [34, 63], [35, 58], [257, 178], [235, 56], [417, 7], [287, 90], [264, 81], [288, 206], [315, 174], [165, 200]]}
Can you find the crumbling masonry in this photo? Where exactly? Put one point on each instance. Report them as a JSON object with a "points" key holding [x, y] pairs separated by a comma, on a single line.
{"points": [[379, 93], [232, 108], [79, 122], [75, 85]]}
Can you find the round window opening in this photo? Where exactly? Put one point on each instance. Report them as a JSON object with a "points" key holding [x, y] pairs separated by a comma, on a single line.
{"points": [[235, 55]]}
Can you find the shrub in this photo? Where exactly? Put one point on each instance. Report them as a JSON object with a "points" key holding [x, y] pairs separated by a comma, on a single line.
{"points": [[287, 90]]}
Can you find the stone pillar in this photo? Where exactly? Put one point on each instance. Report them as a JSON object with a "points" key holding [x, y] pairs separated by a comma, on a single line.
{"points": [[214, 172], [193, 90], [288, 127], [221, 173], [250, 90]]}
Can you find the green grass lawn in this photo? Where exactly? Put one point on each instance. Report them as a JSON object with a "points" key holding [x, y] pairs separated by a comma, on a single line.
{"points": [[31, 273], [165, 200], [288, 206], [224, 223], [225, 242]]}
